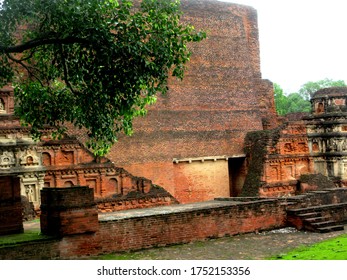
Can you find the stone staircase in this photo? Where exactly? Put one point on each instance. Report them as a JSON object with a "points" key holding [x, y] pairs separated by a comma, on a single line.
{"points": [[322, 218]]}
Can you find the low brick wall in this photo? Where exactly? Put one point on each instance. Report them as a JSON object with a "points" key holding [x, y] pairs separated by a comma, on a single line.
{"points": [[174, 227], [145, 228], [10, 206], [133, 230], [66, 211], [112, 205]]}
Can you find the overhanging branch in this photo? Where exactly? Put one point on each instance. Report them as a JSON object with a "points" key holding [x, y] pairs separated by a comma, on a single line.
{"points": [[41, 42]]}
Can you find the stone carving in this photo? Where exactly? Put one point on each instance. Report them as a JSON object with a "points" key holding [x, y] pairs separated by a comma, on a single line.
{"points": [[28, 158], [30, 192], [315, 147], [344, 145], [288, 148], [7, 159], [320, 108], [2, 106]]}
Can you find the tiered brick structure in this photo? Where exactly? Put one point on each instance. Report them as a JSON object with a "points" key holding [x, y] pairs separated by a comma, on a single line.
{"points": [[311, 144], [327, 133], [191, 142], [288, 159]]}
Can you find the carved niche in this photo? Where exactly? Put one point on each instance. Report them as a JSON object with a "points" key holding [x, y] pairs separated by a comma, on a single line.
{"points": [[28, 158], [7, 159]]}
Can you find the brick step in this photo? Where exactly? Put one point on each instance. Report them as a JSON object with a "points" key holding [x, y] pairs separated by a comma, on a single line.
{"points": [[309, 215], [316, 208], [330, 228], [316, 219], [324, 224]]}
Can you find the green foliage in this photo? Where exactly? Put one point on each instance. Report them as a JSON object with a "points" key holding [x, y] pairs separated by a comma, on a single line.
{"points": [[299, 102], [295, 103], [309, 88], [291, 103], [96, 63], [280, 100]]}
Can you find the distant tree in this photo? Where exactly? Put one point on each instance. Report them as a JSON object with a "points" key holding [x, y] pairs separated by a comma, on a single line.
{"points": [[296, 103], [309, 88], [95, 63], [280, 100], [299, 102]]}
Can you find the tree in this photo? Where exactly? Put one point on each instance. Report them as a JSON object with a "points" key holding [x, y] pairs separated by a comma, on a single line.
{"points": [[95, 64], [296, 103], [299, 102], [280, 100], [309, 88]]}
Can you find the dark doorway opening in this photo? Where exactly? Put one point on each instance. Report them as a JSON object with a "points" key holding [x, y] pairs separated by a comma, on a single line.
{"points": [[237, 174]]}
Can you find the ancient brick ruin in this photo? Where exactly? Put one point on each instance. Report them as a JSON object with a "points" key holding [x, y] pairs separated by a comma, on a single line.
{"points": [[327, 133], [214, 138], [279, 159], [191, 142], [66, 162]]}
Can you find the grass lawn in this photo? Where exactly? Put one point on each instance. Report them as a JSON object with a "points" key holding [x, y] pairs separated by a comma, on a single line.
{"points": [[28, 235], [332, 249]]}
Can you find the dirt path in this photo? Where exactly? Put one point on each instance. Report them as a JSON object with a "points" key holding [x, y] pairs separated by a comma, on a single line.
{"points": [[253, 246]]}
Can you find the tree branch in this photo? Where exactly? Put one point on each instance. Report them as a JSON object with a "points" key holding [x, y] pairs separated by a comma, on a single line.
{"points": [[66, 79], [41, 42], [20, 62]]}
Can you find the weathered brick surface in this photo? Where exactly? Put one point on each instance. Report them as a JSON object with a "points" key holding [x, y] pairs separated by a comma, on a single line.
{"points": [[199, 181], [196, 222], [176, 227], [287, 159], [133, 203], [221, 98], [66, 211], [10, 206]]}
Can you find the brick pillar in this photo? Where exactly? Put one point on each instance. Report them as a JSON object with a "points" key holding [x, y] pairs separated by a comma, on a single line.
{"points": [[68, 211], [11, 220]]}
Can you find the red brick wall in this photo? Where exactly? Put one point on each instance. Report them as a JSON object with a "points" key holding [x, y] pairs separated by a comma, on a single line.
{"points": [[172, 228], [286, 161], [221, 98], [112, 205], [66, 211], [200, 181], [133, 233], [10, 206]]}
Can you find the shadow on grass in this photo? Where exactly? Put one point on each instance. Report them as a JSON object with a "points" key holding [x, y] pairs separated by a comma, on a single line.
{"points": [[27, 236]]}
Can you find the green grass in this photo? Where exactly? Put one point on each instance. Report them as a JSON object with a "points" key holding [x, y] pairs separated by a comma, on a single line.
{"points": [[332, 249], [28, 235]]}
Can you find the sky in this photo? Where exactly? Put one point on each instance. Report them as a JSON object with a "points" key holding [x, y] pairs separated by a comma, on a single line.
{"points": [[301, 40]]}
